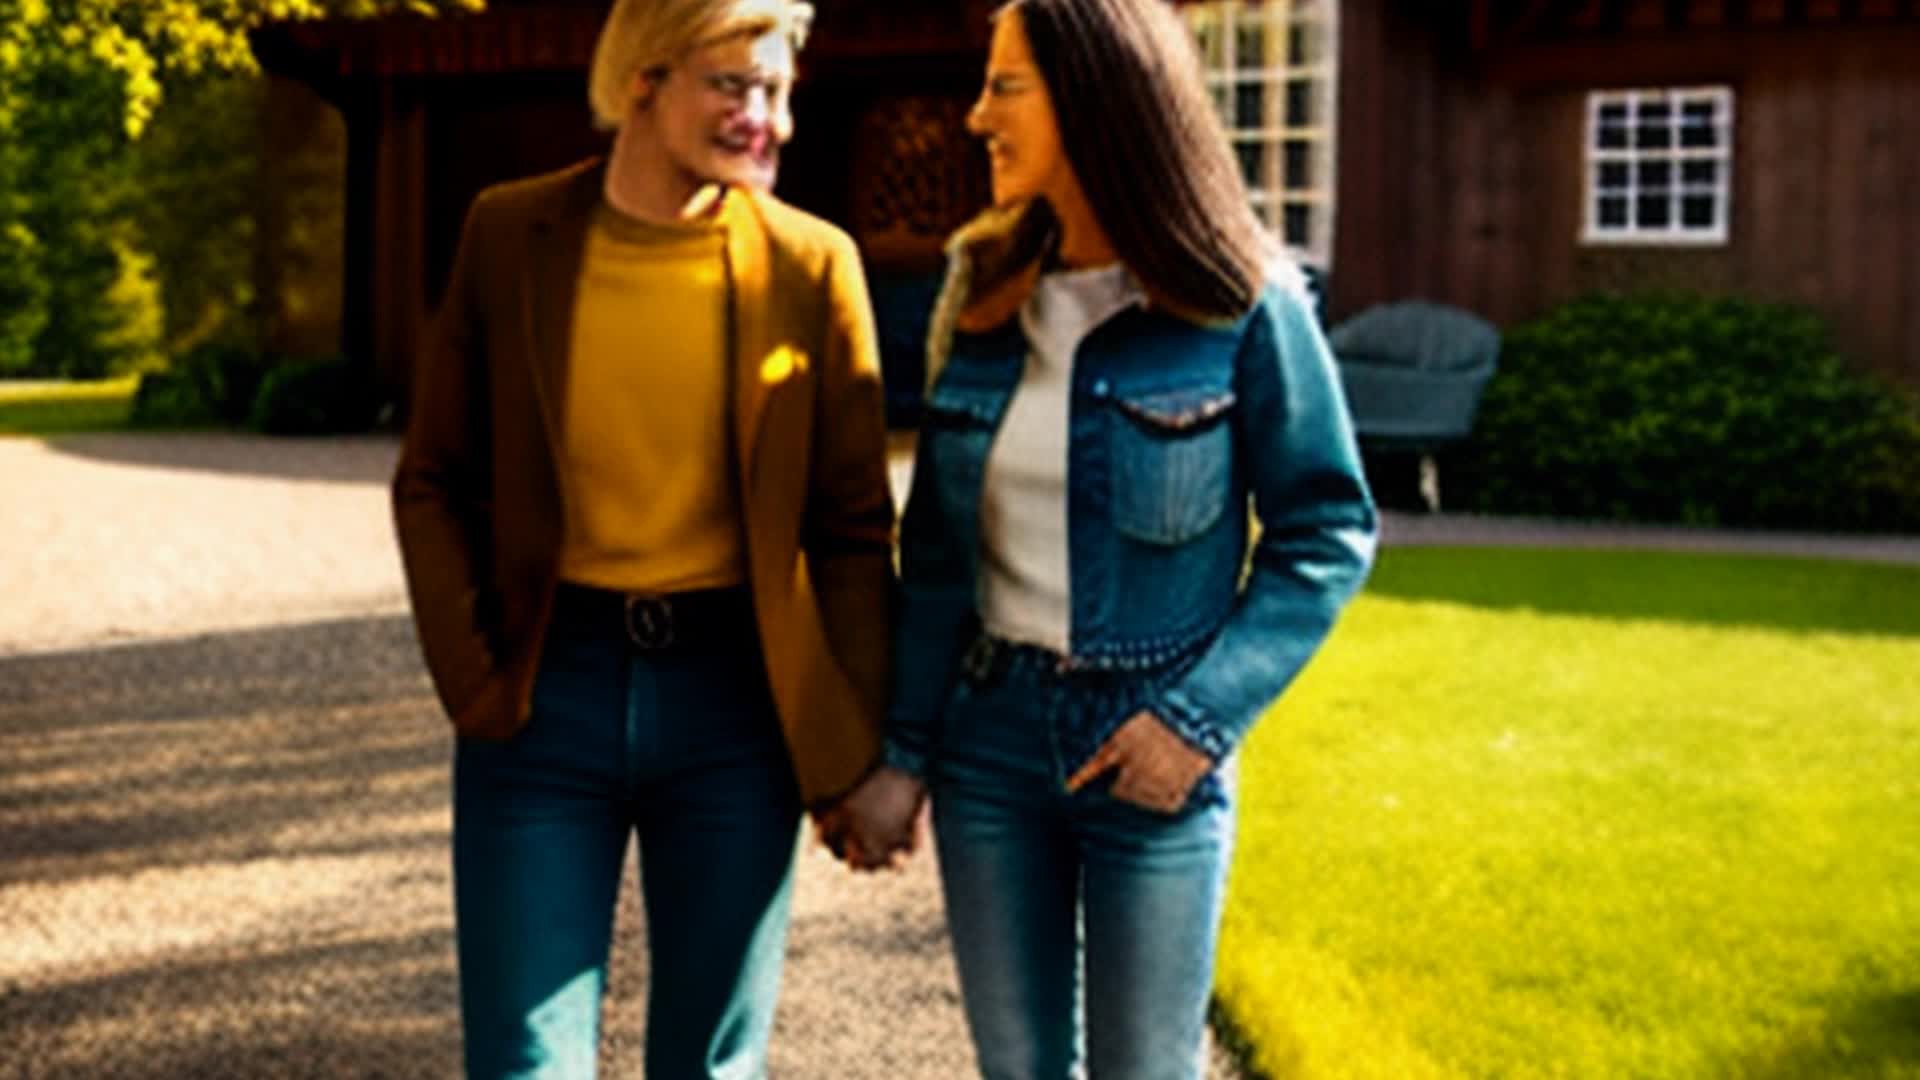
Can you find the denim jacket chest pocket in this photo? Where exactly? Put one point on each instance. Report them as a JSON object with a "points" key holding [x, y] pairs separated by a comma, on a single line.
{"points": [[1172, 461], [957, 429]]}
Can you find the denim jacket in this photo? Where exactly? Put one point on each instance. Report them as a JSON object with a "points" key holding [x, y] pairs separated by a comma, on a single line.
{"points": [[1172, 426]]}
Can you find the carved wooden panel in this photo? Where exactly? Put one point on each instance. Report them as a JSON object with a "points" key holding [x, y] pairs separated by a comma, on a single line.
{"points": [[917, 176]]}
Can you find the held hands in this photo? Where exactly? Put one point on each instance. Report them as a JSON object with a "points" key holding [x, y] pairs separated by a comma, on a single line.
{"points": [[878, 824], [1157, 768], [882, 821]]}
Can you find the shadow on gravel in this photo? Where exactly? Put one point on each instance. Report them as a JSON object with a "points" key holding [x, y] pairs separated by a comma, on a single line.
{"points": [[228, 857], [352, 459], [378, 1007], [312, 740]]}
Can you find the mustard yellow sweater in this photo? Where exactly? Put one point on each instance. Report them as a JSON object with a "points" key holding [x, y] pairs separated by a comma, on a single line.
{"points": [[652, 503]]}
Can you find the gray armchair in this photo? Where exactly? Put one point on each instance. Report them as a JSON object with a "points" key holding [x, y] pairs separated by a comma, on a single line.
{"points": [[1413, 373]]}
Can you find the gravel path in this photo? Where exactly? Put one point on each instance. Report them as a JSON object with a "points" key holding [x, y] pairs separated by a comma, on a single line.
{"points": [[113, 538], [227, 856], [223, 796]]}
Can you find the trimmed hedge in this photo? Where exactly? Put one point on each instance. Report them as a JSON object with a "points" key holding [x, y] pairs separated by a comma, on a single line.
{"points": [[167, 399], [231, 385], [1703, 411], [321, 397], [230, 374], [211, 384]]}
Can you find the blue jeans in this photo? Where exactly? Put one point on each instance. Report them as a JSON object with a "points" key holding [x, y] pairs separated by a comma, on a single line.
{"points": [[1084, 927], [680, 746]]}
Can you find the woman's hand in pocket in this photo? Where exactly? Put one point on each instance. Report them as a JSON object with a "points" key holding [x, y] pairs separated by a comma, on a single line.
{"points": [[1154, 767]]}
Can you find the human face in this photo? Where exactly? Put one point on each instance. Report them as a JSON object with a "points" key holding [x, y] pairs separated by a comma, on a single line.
{"points": [[724, 112], [1015, 116]]}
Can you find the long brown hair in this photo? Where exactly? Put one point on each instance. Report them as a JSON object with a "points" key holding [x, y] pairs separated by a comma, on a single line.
{"points": [[1141, 133]]}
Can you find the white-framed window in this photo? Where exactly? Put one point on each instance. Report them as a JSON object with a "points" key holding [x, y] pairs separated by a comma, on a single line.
{"points": [[1273, 68], [1659, 166]]}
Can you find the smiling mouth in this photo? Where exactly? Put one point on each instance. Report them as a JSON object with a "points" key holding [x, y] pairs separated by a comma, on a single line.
{"points": [[762, 155]]}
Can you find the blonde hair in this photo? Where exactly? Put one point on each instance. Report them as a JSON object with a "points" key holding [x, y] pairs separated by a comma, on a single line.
{"points": [[641, 35]]}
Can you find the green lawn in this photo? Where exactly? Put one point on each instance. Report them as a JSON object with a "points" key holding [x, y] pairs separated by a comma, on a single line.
{"points": [[1590, 814], [54, 408]]}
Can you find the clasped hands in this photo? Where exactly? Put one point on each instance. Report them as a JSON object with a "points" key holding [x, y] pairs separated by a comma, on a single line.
{"points": [[879, 824], [882, 821]]}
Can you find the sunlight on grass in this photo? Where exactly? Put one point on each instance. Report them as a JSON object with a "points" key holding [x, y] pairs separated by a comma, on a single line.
{"points": [[53, 408], [1498, 840]]}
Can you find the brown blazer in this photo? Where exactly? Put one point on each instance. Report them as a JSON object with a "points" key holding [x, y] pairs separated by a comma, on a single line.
{"points": [[478, 496]]}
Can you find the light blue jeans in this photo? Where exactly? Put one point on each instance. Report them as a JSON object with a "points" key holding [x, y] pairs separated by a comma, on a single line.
{"points": [[680, 746], [1084, 927]]}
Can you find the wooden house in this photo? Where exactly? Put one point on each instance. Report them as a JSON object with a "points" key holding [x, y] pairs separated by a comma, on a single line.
{"points": [[1500, 155], [437, 108], [1505, 155]]}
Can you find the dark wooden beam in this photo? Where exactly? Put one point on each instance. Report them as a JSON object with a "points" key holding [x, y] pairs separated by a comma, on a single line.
{"points": [[1590, 15], [1481, 20], [1647, 14], [1531, 17], [1503, 25], [1679, 58], [361, 111], [1707, 13]]}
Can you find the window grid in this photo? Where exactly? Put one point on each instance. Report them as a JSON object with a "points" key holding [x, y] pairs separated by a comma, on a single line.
{"points": [[1272, 68], [1659, 166]]}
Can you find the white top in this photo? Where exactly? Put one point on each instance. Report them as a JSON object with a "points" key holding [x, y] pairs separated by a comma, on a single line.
{"points": [[1023, 503]]}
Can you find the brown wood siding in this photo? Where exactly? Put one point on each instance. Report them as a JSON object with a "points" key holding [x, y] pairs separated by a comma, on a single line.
{"points": [[1439, 179], [1462, 172], [1360, 231], [1907, 110]]}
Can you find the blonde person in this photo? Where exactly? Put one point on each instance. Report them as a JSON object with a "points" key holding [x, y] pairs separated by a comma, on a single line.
{"points": [[1125, 365], [644, 514]]}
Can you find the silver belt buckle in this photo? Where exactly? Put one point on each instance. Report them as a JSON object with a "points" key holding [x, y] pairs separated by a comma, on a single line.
{"points": [[980, 661], [650, 622]]}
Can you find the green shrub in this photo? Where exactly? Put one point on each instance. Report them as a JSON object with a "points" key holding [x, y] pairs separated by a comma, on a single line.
{"points": [[323, 397], [213, 383], [171, 399], [229, 375], [1693, 410]]}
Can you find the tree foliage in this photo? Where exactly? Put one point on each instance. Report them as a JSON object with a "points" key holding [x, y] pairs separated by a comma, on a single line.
{"points": [[144, 43], [194, 203], [80, 81]]}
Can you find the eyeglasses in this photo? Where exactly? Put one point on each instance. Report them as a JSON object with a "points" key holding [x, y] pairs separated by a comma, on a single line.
{"points": [[738, 86]]}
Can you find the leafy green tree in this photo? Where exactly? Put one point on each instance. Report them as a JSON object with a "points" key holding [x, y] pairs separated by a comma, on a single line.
{"points": [[75, 177], [194, 202], [23, 291], [147, 43], [79, 80]]}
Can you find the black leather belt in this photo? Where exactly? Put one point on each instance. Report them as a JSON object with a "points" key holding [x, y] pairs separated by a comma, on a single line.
{"points": [[988, 659], [654, 621]]}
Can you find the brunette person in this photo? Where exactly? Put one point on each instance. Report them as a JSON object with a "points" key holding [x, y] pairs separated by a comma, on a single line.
{"points": [[1123, 364]]}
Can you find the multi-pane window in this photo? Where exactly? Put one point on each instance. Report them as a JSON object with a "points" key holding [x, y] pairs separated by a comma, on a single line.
{"points": [[1659, 165], [1272, 66]]}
